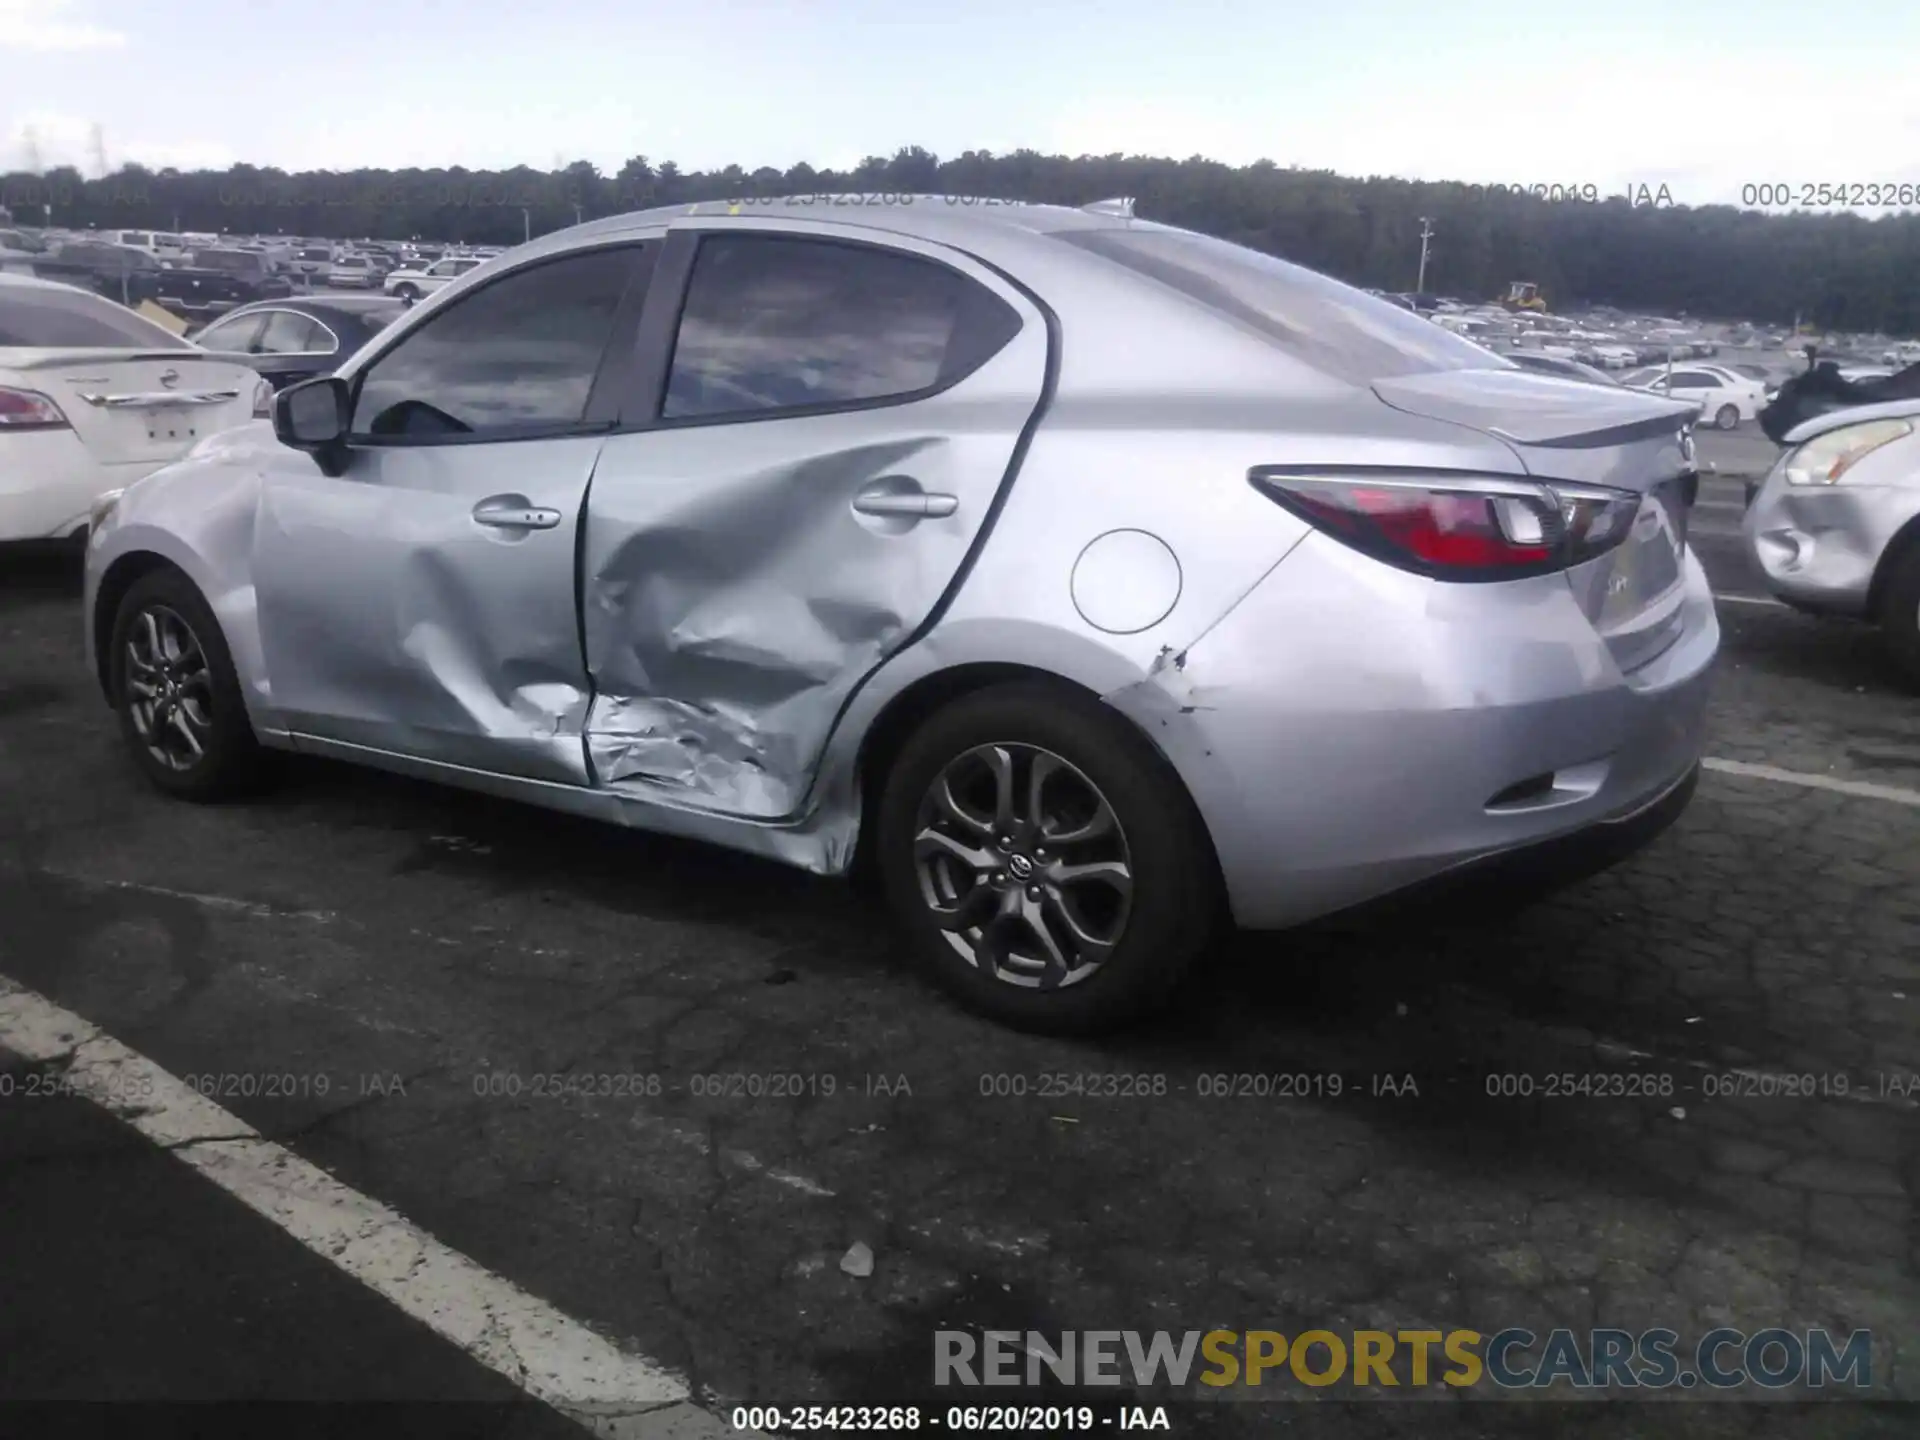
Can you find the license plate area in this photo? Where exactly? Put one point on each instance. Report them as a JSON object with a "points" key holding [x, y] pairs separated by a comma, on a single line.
{"points": [[171, 425]]}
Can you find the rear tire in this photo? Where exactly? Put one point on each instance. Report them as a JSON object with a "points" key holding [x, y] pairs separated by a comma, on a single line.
{"points": [[1105, 895], [1727, 417], [409, 293], [1899, 616], [177, 694]]}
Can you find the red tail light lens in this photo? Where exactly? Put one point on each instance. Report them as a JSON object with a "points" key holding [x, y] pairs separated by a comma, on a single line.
{"points": [[1458, 527], [29, 410]]}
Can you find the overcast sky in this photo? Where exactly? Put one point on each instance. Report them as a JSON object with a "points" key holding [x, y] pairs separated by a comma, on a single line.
{"points": [[1703, 97]]}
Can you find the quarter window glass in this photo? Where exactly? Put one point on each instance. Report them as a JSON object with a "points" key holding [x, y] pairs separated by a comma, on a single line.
{"points": [[775, 324], [517, 354]]}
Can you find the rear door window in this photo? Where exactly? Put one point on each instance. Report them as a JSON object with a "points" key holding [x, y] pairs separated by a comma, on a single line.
{"points": [[289, 334], [234, 336], [1318, 320], [775, 323]]}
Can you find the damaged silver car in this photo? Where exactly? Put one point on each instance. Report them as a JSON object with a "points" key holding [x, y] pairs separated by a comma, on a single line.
{"points": [[1092, 580]]}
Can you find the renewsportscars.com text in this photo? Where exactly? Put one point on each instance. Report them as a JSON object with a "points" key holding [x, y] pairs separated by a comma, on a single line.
{"points": [[1508, 1359]]}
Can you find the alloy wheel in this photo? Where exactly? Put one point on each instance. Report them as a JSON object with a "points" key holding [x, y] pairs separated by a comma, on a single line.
{"points": [[169, 687], [1023, 865]]}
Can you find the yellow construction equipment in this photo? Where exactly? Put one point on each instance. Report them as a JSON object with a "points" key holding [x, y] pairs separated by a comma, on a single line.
{"points": [[1524, 295]]}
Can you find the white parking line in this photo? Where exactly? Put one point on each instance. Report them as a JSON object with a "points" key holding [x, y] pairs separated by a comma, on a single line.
{"points": [[551, 1356], [1751, 600], [1866, 789]]}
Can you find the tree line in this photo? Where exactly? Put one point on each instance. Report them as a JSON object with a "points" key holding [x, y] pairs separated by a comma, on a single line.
{"points": [[1639, 250]]}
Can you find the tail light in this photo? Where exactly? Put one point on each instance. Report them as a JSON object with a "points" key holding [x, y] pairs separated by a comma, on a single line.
{"points": [[29, 410], [1458, 527]]}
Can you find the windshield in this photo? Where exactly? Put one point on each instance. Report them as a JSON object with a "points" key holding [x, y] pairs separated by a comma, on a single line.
{"points": [[56, 317], [1329, 325], [236, 262]]}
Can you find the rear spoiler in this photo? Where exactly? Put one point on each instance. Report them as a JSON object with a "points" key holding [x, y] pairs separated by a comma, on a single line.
{"points": [[85, 355]]}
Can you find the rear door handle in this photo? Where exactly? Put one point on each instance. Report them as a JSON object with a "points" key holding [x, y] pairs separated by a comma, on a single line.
{"points": [[920, 506], [507, 515]]}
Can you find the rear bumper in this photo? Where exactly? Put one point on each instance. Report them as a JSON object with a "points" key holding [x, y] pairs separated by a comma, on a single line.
{"points": [[49, 481], [1349, 731], [196, 305], [1536, 870]]}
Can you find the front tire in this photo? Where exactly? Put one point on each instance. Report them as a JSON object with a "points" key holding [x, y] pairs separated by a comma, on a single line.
{"points": [[1727, 417], [1899, 616], [178, 695], [1045, 862]]}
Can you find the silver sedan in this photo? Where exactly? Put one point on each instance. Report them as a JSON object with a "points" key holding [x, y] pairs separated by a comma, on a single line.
{"points": [[1835, 527], [1090, 580]]}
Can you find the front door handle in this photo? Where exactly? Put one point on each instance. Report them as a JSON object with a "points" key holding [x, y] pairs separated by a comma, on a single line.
{"points": [[914, 505], [515, 514]]}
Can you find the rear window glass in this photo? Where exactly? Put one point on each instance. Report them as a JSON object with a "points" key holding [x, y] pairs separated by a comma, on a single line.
{"points": [[1330, 326], [54, 318]]}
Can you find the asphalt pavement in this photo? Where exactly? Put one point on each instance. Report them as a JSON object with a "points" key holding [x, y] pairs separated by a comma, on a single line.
{"points": [[669, 1091]]}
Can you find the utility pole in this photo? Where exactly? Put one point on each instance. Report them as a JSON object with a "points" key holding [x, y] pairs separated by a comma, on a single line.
{"points": [[1426, 234], [97, 148], [526, 223]]}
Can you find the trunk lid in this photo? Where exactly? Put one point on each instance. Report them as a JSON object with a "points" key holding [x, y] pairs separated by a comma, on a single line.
{"points": [[128, 405], [1568, 430]]}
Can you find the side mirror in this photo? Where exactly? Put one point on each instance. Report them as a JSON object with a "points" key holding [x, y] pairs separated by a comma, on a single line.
{"points": [[313, 416]]}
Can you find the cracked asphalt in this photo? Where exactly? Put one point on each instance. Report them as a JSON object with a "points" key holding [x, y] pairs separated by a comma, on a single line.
{"points": [[517, 1030]]}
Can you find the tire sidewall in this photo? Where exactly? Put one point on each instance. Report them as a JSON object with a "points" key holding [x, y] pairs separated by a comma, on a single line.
{"points": [[1173, 902], [231, 749]]}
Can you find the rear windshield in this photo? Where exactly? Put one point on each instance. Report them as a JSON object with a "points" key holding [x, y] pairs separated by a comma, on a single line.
{"points": [[55, 318], [1328, 325]]}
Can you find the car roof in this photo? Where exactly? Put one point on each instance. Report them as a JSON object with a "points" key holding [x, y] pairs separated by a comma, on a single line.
{"points": [[329, 304], [943, 219]]}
